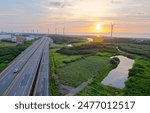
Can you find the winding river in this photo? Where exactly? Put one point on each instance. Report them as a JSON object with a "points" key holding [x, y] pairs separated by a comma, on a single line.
{"points": [[117, 77]]}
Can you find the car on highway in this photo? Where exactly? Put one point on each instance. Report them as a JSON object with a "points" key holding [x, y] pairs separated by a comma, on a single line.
{"points": [[16, 70]]}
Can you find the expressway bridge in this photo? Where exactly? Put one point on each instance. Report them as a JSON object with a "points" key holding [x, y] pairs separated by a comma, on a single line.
{"points": [[28, 74]]}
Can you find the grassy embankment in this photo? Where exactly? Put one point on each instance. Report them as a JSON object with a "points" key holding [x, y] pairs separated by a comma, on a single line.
{"points": [[139, 79], [53, 81], [8, 51]]}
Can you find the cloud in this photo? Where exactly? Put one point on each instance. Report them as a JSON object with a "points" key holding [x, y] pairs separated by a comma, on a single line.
{"points": [[8, 14], [116, 2], [60, 4]]}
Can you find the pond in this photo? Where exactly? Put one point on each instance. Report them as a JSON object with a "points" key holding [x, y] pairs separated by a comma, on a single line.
{"points": [[117, 77]]}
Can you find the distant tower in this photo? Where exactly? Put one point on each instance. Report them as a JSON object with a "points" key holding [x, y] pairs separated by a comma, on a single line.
{"points": [[48, 30], [112, 28], [55, 30], [63, 30], [33, 31]]}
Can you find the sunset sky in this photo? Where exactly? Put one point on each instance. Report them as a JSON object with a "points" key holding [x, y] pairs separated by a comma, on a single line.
{"points": [[75, 15]]}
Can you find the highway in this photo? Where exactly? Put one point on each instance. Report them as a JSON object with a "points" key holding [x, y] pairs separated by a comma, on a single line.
{"points": [[42, 84], [31, 65]]}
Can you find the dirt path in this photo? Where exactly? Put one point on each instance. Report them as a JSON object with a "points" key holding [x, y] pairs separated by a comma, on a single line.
{"points": [[79, 88], [69, 90], [63, 89]]}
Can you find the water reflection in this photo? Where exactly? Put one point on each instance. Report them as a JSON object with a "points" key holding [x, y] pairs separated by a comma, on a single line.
{"points": [[119, 75]]}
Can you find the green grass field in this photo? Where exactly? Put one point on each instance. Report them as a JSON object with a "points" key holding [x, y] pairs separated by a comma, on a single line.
{"points": [[80, 71], [98, 89], [61, 60], [138, 49], [7, 44]]}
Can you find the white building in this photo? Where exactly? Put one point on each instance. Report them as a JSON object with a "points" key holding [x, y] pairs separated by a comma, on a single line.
{"points": [[5, 37], [29, 38], [13, 39]]}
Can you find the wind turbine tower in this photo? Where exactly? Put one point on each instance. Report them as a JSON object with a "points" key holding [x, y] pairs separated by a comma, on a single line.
{"points": [[112, 28], [63, 30]]}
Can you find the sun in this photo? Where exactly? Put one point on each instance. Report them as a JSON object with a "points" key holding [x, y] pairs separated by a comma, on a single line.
{"points": [[98, 27]]}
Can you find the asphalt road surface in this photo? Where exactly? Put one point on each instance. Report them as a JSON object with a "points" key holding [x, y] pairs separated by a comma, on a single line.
{"points": [[32, 77]]}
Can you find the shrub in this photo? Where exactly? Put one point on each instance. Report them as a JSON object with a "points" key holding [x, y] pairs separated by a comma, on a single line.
{"points": [[115, 61], [137, 69], [85, 49]]}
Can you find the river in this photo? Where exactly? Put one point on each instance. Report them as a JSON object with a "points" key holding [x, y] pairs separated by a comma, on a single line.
{"points": [[117, 77]]}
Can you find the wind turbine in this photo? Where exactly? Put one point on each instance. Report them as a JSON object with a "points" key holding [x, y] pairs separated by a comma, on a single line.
{"points": [[56, 31], [112, 28], [63, 30]]}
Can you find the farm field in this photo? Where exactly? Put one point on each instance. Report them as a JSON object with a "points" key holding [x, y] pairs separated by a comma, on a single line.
{"points": [[82, 70], [7, 44]]}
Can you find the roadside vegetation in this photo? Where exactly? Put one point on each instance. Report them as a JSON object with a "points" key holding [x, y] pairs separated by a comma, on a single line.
{"points": [[91, 60], [53, 80], [9, 51]]}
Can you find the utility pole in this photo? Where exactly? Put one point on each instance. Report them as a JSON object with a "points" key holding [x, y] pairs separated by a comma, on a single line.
{"points": [[112, 28]]}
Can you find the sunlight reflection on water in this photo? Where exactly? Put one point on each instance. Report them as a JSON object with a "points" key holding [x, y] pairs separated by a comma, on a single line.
{"points": [[119, 75]]}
